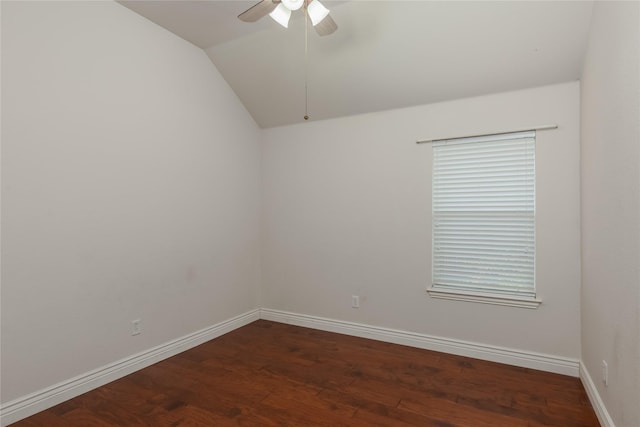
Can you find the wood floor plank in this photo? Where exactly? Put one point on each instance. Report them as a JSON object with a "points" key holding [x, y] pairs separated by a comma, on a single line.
{"points": [[45, 418], [269, 374]]}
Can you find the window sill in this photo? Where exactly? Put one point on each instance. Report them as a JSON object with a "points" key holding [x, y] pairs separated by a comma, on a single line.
{"points": [[494, 299]]}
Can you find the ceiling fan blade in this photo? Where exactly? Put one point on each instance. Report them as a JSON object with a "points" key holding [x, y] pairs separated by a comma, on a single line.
{"points": [[326, 26], [258, 10]]}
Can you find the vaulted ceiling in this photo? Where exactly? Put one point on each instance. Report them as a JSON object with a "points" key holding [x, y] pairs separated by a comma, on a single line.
{"points": [[385, 54]]}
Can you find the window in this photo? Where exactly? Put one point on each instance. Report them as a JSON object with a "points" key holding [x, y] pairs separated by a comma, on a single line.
{"points": [[483, 205]]}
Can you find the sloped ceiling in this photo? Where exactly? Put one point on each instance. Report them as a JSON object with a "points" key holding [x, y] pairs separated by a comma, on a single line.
{"points": [[385, 54]]}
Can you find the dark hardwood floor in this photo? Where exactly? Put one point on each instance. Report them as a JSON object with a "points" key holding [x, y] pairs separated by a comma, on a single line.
{"points": [[272, 374]]}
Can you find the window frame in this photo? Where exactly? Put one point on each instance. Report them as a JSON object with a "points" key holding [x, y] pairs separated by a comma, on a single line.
{"points": [[485, 294]]}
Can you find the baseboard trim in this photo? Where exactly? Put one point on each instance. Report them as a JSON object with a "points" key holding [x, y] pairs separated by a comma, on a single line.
{"points": [[594, 397], [33, 403], [525, 359], [25, 406]]}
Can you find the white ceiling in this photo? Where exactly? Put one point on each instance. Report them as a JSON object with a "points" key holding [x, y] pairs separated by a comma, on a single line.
{"points": [[385, 54]]}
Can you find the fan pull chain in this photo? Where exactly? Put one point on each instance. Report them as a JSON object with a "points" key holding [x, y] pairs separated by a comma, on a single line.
{"points": [[306, 64]]}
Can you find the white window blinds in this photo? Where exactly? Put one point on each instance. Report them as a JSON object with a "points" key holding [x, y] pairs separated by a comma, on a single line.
{"points": [[484, 214]]}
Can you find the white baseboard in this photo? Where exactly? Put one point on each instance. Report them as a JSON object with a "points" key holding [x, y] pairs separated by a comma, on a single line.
{"points": [[594, 397], [33, 403], [526, 359], [28, 405]]}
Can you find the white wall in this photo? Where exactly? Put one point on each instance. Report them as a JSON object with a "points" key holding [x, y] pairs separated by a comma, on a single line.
{"points": [[611, 207], [347, 211], [130, 189]]}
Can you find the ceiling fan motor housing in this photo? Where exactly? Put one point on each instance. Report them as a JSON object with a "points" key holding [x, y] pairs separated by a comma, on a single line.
{"points": [[293, 4]]}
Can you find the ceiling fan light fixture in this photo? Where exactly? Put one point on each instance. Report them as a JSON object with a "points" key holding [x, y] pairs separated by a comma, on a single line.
{"points": [[292, 4], [317, 12], [281, 15]]}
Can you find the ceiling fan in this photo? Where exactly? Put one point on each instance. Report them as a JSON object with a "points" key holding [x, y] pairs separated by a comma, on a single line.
{"points": [[280, 11]]}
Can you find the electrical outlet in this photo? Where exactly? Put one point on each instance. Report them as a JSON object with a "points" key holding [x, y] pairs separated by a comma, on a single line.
{"points": [[136, 329], [355, 301], [605, 373]]}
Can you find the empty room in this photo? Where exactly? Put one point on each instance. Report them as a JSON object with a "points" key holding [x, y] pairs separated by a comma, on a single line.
{"points": [[320, 213]]}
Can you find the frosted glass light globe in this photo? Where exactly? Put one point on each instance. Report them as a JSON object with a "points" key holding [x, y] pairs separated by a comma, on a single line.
{"points": [[281, 15], [317, 12]]}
